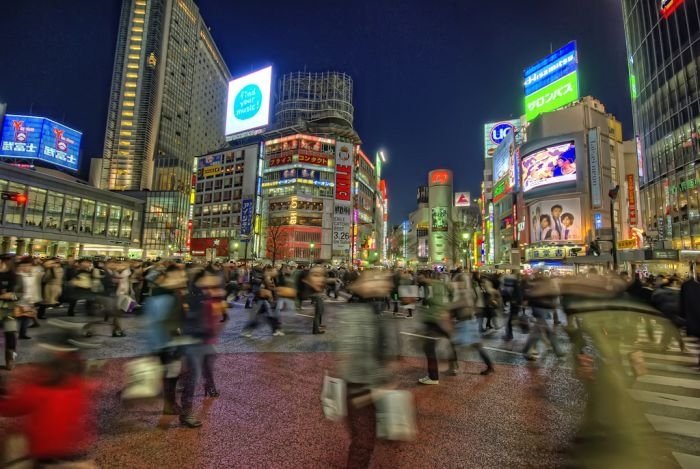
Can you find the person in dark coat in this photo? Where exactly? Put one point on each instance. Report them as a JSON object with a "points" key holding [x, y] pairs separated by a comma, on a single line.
{"points": [[689, 309]]}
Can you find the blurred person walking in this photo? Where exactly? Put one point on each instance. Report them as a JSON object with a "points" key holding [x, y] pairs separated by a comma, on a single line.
{"points": [[541, 306], [435, 319], [28, 296], [316, 281], [203, 324], [53, 286], [8, 302], [362, 363], [164, 312], [690, 305], [262, 286], [667, 299]]}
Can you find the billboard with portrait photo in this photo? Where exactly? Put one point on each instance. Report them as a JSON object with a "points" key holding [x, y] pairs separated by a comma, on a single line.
{"points": [[556, 220], [553, 164]]}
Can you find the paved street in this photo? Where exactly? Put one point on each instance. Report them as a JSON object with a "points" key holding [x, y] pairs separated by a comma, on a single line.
{"points": [[268, 415]]}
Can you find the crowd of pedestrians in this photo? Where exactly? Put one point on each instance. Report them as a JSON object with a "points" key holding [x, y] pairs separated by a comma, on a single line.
{"points": [[186, 306]]}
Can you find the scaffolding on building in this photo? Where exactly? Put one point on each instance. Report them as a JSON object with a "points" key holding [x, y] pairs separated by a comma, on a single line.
{"points": [[305, 97]]}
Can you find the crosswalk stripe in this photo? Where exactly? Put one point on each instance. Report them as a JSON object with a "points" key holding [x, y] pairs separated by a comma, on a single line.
{"points": [[687, 370], [672, 358], [687, 461], [673, 425], [668, 381], [672, 400]]}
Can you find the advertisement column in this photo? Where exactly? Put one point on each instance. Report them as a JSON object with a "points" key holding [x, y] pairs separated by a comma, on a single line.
{"points": [[342, 215]]}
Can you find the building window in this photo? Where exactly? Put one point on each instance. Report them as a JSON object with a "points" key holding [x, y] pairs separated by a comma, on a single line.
{"points": [[35, 206], [54, 209], [13, 212], [70, 214], [87, 214], [101, 219], [127, 223]]}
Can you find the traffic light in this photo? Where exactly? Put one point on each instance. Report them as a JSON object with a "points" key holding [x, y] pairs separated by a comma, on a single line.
{"points": [[18, 197]]}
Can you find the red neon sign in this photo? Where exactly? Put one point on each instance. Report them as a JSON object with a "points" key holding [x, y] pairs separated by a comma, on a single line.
{"points": [[439, 177], [669, 6]]}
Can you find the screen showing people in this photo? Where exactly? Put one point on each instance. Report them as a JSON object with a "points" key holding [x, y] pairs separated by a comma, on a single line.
{"points": [[550, 165], [557, 220]]}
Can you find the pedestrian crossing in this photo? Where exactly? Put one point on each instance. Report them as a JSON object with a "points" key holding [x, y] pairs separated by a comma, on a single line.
{"points": [[670, 395]]}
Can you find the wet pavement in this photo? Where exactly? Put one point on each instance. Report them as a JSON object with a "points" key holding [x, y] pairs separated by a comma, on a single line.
{"points": [[269, 414]]}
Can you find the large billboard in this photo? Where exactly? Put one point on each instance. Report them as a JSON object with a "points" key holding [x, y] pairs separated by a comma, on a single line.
{"points": [[248, 104], [549, 165], [495, 132], [439, 219], [211, 165], [462, 199], [42, 139], [503, 158], [342, 212], [552, 82], [552, 97], [556, 220]]}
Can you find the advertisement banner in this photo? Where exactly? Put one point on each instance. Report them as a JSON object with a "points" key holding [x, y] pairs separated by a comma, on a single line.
{"points": [[594, 164], [21, 136], [495, 132], [556, 220], [60, 145], [462, 199], [42, 139], [313, 159], [550, 165], [342, 214], [279, 161], [632, 199], [559, 63], [246, 217], [553, 96], [199, 246], [211, 165], [439, 219], [248, 105]]}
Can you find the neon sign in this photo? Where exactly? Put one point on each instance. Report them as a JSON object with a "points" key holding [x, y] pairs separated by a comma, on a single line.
{"points": [[669, 6]]}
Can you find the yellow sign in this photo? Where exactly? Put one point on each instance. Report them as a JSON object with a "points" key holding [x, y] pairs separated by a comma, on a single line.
{"points": [[627, 244], [213, 170], [553, 252]]}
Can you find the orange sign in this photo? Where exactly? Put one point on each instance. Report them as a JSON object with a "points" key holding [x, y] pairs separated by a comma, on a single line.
{"points": [[632, 199], [311, 159], [280, 160], [440, 176]]}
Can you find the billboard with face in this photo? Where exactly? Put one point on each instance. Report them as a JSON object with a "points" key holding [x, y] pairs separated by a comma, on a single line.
{"points": [[556, 220], [549, 165]]}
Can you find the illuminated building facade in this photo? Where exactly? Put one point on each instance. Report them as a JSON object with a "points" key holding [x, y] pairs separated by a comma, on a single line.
{"points": [[166, 106], [663, 45]]}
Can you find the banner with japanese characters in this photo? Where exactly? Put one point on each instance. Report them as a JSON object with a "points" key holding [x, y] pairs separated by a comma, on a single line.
{"points": [[342, 215], [246, 217], [30, 137]]}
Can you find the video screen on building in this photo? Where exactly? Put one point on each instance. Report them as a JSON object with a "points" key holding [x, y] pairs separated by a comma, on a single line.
{"points": [[248, 104], [550, 165], [39, 138], [556, 220]]}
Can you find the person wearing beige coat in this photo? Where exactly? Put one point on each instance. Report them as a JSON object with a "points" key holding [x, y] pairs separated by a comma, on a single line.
{"points": [[53, 286]]}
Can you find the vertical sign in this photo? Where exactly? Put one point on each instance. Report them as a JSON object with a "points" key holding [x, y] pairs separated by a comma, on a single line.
{"points": [[342, 214], [594, 163], [246, 217], [632, 199]]}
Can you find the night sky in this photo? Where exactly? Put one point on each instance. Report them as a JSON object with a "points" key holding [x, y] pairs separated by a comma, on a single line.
{"points": [[427, 73]]}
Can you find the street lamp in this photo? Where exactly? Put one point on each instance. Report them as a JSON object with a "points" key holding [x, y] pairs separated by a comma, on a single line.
{"points": [[311, 253], [466, 237]]}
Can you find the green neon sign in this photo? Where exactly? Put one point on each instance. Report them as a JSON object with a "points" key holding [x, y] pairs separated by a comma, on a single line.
{"points": [[633, 86], [553, 96], [499, 189]]}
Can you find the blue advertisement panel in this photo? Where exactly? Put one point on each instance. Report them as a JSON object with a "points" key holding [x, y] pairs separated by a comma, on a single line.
{"points": [[246, 217], [548, 70], [21, 136], [40, 138], [60, 145]]}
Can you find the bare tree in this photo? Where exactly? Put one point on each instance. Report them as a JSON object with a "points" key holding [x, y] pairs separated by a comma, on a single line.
{"points": [[277, 239]]}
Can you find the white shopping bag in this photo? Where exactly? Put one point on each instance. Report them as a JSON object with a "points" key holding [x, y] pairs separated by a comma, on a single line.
{"points": [[333, 397], [396, 416], [144, 378]]}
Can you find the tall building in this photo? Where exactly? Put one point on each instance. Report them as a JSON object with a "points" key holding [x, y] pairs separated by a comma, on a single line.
{"points": [[663, 44], [167, 105], [318, 187]]}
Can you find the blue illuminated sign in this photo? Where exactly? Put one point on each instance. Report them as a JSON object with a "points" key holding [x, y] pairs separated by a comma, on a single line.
{"points": [[553, 67], [598, 220], [21, 136], [40, 138], [500, 130], [246, 217], [60, 145]]}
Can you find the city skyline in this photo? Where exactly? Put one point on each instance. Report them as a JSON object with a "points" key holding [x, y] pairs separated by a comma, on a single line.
{"points": [[390, 89]]}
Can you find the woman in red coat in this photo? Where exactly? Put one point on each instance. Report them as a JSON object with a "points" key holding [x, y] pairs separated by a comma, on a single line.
{"points": [[55, 401]]}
